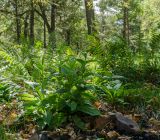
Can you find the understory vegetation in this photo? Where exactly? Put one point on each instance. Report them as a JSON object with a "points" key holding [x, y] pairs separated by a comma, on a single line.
{"points": [[77, 64]]}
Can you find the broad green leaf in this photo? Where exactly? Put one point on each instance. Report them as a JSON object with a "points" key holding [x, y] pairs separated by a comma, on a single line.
{"points": [[72, 105], [48, 117], [78, 122], [88, 109], [117, 86], [31, 84], [58, 119], [27, 97]]}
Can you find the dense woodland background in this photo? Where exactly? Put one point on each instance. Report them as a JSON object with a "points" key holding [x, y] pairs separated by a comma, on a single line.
{"points": [[63, 60]]}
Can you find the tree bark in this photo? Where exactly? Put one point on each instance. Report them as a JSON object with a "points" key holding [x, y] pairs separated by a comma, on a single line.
{"points": [[44, 16], [32, 24], [44, 36], [89, 15], [26, 26], [51, 26], [68, 37], [18, 22], [52, 34], [126, 22]]}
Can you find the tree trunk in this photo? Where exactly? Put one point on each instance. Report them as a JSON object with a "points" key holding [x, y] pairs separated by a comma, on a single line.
{"points": [[68, 37], [18, 22], [126, 22], [89, 15], [32, 24], [51, 27], [26, 26], [52, 35], [44, 17], [44, 37]]}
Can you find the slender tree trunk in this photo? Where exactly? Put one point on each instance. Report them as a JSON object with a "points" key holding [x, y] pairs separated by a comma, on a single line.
{"points": [[52, 33], [44, 37], [103, 23], [32, 24], [139, 34], [45, 23], [126, 23], [89, 15], [44, 17], [18, 22], [68, 37], [26, 26], [51, 27]]}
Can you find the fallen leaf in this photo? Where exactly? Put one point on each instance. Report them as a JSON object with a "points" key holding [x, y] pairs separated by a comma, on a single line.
{"points": [[124, 138], [101, 121], [155, 123], [137, 117], [11, 118], [113, 135], [97, 104]]}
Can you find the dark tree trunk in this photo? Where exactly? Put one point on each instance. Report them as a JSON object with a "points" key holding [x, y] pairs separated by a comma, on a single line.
{"points": [[89, 15], [68, 37], [32, 24], [53, 18], [18, 22], [44, 17], [103, 23], [52, 38], [51, 27], [126, 23], [44, 37], [139, 35], [26, 26]]}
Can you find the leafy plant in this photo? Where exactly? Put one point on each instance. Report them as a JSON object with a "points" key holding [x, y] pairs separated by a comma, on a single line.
{"points": [[113, 92], [63, 90], [4, 93], [3, 135]]}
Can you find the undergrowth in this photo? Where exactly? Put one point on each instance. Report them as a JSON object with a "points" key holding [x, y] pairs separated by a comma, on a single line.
{"points": [[54, 88]]}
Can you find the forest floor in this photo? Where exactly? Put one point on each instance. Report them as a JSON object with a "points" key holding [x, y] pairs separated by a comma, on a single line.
{"points": [[115, 123]]}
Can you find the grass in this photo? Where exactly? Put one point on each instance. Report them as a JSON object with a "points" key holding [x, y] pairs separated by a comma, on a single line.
{"points": [[3, 135]]}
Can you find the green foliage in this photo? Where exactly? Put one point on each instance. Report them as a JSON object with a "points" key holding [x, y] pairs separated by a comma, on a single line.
{"points": [[3, 136], [4, 93], [78, 122], [112, 90], [57, 84], [51, 90], [143, 96]]}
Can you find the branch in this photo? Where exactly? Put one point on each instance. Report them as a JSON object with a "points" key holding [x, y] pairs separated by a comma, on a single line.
{"points": [[23, 13], [9, 12], [5, 11], [44, 17]]}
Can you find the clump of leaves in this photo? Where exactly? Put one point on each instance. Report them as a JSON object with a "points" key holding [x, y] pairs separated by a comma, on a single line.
{"points": [[3, 135], [71, 93], [4, 93]]}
